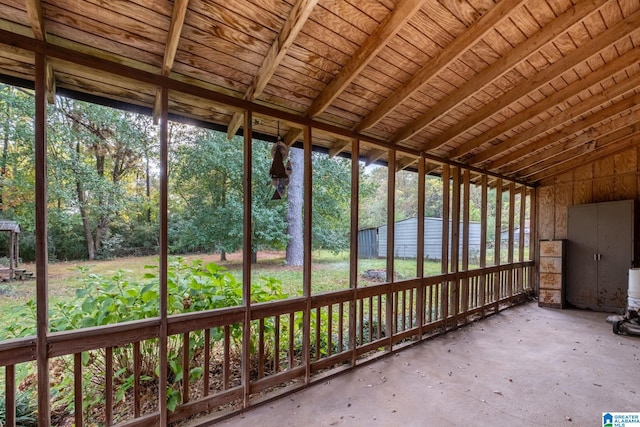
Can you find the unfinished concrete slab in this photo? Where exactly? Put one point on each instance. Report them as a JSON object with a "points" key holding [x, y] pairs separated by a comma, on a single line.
{"points": [[526, 366]]}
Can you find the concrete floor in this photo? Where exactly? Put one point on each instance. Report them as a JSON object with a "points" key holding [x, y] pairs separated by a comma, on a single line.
{"points": [[526, 366]]}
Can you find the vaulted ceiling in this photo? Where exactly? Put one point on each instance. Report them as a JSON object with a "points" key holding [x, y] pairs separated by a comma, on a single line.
{"points": [[526, 89]]}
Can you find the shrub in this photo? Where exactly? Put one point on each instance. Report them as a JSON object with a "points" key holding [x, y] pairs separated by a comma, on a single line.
{"points": [[26, 409]]}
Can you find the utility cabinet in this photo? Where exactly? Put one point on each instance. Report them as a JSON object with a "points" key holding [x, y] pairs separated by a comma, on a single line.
{"points": [[600, 251], [551, 291]]}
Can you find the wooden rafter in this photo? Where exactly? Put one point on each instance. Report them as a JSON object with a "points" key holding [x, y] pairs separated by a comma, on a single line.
{"points": [[606, 147], [175, 29], [292, 136], [51, 83], [36, 19], [339, 147], [367, 51], [521, 52], [579, 55], [559, 119], [574, 128], [616, 130], [440, 62], [171, 47], [405, 162], [292, 26], [374, 156]]}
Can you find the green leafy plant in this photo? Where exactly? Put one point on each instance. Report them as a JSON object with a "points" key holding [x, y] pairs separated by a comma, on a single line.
{"points": [[26, 409], [109, 299]]}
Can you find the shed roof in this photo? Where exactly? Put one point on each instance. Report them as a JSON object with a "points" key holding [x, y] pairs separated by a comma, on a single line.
{"points": [[522, 88], [11, 226]]}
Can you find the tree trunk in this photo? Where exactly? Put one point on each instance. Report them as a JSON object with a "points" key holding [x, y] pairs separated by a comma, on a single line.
{"points": [[295, 245], [223, 256], [91, 250]]}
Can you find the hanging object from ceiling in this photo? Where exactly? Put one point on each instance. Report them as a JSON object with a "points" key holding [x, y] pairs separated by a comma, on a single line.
{"points": [[280, 167]]}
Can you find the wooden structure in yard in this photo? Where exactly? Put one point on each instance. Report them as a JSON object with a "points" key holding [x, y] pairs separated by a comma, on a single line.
{"points": [[536, 99], [13, 250]]}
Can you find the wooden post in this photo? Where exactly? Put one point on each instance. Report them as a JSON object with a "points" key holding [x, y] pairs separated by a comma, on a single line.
{"points": [[306, 269], [498, 240], [466, 182], [454, 301], [246, 258], [483, 240], [444, 262], [391, 230], [533, 241], [420, 245], [510, 257], [42, 297], [164, 266], [355, 222]]}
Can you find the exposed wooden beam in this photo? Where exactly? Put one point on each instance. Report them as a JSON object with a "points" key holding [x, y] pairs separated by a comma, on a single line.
{"points": [[551, 139], [374, 156], [546, 177], [579, 55], [50, 83], [521, 52], [170, 48], [175, 29], [339, 147], [292, 26], [147, 77], [402, 12], [565, 116], [405, 162], [447, 56], [292, 136], [616, 129], [603, 147], [36, 19]]}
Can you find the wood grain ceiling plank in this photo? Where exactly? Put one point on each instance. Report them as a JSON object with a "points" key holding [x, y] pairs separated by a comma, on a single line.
{"points": [[292, 27], [584, 156], [453, 51], [601, 42], [520, 139], [364, 54], [522, 51], [553, 149]]}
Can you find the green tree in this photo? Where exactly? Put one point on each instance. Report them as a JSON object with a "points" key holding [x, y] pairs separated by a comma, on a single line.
{"points": [[95, 154]]}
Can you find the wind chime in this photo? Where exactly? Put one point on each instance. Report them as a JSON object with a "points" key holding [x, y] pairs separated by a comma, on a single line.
{"points": [[280, 171]]}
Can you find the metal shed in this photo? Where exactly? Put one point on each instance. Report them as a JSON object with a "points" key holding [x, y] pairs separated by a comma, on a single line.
{"points": [[406, 243]]}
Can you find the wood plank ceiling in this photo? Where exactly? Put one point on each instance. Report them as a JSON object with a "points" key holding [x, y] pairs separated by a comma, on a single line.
{"points": [[526, 89]]}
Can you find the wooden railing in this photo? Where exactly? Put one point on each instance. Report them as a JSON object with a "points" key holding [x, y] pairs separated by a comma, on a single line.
{"points": [[292, 343]]}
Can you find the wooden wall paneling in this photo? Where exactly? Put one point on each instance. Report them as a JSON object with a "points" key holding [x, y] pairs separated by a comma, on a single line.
{"points": [[626, 166], [582, 192], [546, 213], [603, 189], [563, 199]]}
